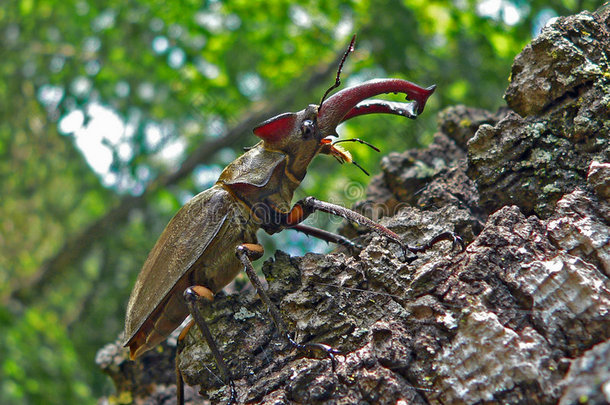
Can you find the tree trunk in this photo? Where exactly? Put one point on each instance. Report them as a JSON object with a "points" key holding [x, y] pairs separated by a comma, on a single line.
{"points": [[521, 316]]}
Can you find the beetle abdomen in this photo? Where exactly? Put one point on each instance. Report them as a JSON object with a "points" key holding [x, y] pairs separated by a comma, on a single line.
{"points": [[197, 247]]}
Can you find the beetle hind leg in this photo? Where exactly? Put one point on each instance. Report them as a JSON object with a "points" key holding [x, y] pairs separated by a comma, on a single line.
{"points": [[192, 296]]}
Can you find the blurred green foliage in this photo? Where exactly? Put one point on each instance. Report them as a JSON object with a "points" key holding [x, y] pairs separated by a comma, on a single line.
{"points": [[101, 99]]}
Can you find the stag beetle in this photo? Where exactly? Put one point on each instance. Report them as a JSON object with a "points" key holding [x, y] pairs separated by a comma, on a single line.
{"points": [[213, 236]]}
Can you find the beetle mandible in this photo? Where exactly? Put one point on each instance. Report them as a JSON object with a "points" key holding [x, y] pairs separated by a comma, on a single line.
{"points": [[213, 236]]}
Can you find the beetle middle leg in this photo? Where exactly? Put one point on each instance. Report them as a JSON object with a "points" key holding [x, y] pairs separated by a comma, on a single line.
{"points": [[192, 296], [248, 252]]}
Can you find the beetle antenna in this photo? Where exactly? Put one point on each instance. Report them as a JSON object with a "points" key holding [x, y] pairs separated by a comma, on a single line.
{"points": [[376, 149], [360, 167], [350, 48]]}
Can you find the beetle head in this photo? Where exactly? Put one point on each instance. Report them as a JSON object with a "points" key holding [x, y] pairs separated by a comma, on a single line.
{"points": [[287, 131], [295, 134], [302, 135]]}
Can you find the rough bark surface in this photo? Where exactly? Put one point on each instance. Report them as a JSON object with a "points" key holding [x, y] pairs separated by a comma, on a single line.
{"points": [[521, 316], [560, 96]]}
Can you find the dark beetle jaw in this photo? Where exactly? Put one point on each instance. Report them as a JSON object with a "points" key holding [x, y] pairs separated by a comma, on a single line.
{"points": [[350, 102]]}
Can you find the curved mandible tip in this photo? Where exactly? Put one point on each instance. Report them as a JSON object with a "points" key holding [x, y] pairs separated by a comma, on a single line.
{"points": [[339, 106]]}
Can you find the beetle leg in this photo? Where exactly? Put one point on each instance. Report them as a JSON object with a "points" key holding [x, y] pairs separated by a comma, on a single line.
{"points": [[305, 207], [179, 379], [327, 236], [454, 238], [246, 252], [193, 295]]}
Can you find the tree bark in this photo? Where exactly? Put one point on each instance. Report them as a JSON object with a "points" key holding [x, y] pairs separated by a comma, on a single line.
{"points": [[521, 316]]}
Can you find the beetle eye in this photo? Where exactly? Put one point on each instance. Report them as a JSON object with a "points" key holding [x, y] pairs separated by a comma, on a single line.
{"points": [[307, 129]]}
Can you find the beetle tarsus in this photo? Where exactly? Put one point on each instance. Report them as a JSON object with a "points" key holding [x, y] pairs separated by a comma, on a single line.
{"points": [[328, 350], [449, 236], [454, 238]]}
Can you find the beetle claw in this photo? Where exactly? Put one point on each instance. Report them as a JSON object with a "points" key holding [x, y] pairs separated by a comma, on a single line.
{"points": [[328, 350], [449, 236]]}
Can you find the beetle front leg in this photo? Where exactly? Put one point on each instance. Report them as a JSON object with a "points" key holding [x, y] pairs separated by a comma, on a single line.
{"points": [[193, 295], [327, 236], [305, 207], [248, 252]]}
